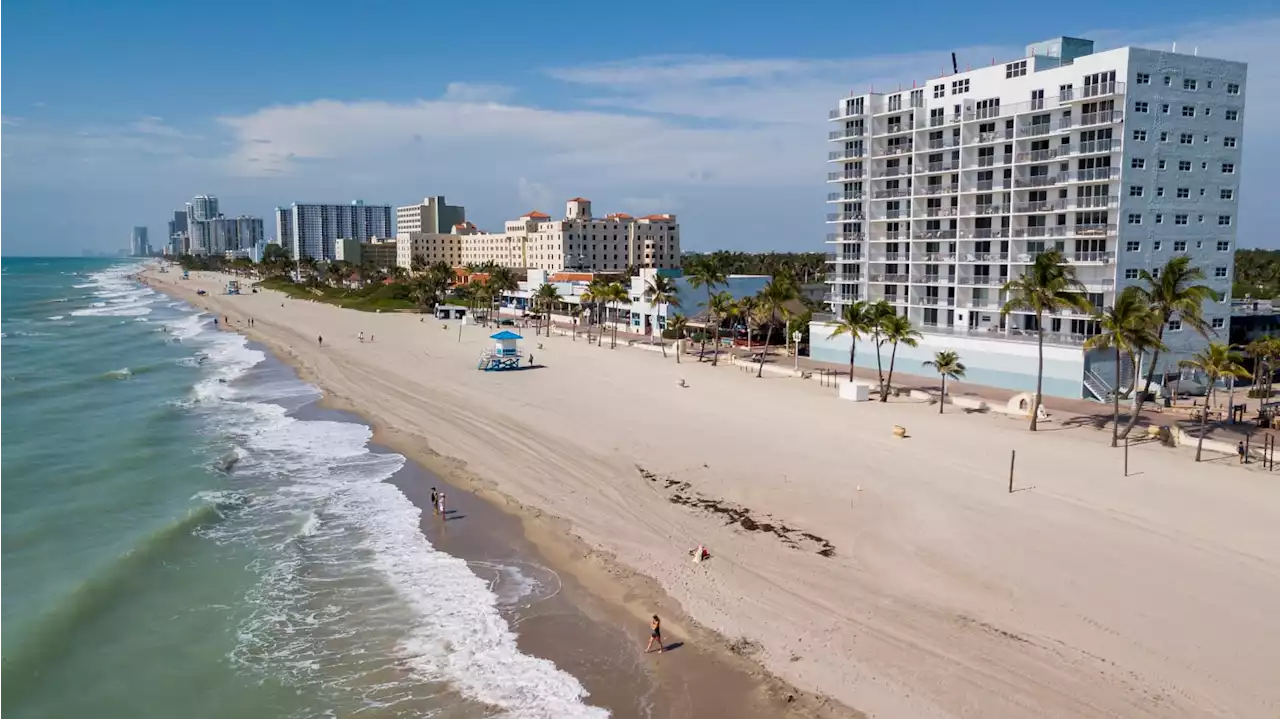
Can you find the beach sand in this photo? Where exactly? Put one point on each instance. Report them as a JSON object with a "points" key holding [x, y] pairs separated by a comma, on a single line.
{"points": [[898, 577]]}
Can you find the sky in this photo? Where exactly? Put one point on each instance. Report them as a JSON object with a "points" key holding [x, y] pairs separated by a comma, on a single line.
{"points": [[115, 114]]}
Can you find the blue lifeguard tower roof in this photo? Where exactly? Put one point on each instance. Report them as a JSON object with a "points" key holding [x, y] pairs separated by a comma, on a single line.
{"points": [[506, 335]]}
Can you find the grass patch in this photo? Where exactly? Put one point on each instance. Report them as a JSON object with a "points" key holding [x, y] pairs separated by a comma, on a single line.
{"points": [[374, 298]]}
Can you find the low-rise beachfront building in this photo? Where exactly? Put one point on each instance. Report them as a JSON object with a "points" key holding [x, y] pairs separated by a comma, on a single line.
{"points": [[429, 248], [379, 252], [638, 316], [433, 216], [579, 241], [942, 194]]}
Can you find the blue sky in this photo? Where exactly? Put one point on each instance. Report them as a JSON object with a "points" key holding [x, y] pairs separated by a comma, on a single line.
{"points": [[117, 113]]}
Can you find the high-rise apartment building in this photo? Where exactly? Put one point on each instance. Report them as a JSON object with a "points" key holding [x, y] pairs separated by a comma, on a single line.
{"points": [[178, 233], [139, 246], [579, 241], [202, 230], [310, 230], [942, 193], [432, 215], [203, 207]]}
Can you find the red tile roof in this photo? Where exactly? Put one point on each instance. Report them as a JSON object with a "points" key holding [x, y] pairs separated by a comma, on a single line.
{"points": [[619, 216], [535, 213], [579, 199]]}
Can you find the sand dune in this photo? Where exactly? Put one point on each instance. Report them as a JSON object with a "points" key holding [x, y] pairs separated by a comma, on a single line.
{"points": [[897, 576]]}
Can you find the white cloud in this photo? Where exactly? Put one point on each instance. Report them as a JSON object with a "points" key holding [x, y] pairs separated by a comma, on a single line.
{"points": [[473, 92], [536, 195]]}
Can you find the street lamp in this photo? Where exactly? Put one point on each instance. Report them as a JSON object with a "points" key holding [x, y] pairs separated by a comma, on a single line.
{"points": [[795, 339]]}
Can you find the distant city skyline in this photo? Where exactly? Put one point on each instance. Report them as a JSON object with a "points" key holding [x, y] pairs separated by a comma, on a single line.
{"points": [[718, 121]]}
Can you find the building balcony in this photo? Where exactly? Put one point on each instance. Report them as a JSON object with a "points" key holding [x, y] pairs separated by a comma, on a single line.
{"points": [[981, 280], [851, 278], [933, 301], [1040, 206], [939, 257], [1035, 129], [942, 144], [839, 257], [1105, 117], [996, 136], [1093, 230], [843, 112], [989, 185], [839, 155], [1039, 155], [939, 212], [1036, 180], [1085, 258], [993, 160], [845, 237], [1085, 92], [841, 298], [895, 150], [888, 257], [846, 133], [946, 166], [929, 279], [933, 235], [1095, 174], [1041, 231], [991, 209], [986, 233], [984, 257], [883, 278], [890, 215], [936, 189], [900, 127], [891, 172], [891, 193], [1091, 147], [846, 216], [846, 175], [843, 196], [888, 236]]}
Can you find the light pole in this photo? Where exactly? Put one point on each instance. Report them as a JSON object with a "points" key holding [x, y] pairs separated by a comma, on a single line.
{"points": [[795, 340]]}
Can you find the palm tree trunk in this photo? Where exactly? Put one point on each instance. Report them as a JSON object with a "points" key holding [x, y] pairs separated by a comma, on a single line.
{"points": [[1035, 403], [942, 398], [1151, 373], [679, 349], [1115, 406], [1204, 418], [702, 349], [613, 341], [879, 367], [893, 356], [768, 337], [853, 348], [715, 348]]}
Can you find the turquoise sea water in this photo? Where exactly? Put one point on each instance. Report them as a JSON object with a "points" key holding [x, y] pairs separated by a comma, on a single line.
{"points": [[178, 540]]}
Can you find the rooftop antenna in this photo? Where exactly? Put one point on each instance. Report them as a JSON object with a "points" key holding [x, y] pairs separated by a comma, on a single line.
{"points": [[955, 69], [1175, 47]]}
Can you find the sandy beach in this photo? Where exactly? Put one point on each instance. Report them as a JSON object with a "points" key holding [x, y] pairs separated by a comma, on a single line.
{"points": [[898, 577]]}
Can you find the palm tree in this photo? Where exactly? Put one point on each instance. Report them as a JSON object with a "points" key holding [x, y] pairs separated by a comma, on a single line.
{"points": [[721, 305], [594, 295], [896, 330], [773, 299], [678, 324], [1048, 285], [1264, 351], [661, 293], [1128, 326], [1215, 361], [546, 297], [617, 294], [441, 271], [746, 309], [575, 312], [1172, 292], [501, 279], [947, 364], [705, 273], [881, 311], [856, 320]]}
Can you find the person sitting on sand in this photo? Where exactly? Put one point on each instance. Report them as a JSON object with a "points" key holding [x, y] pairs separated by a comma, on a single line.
{"points": [[655, 635]]}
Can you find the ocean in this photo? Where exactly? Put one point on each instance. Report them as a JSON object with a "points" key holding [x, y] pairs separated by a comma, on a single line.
{"points": [[185, 533]]}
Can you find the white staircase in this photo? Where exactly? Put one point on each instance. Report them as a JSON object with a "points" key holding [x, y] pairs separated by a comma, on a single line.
{"points": [[1097, 386]]}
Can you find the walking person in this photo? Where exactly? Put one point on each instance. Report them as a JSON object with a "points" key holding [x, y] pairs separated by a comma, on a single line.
{"points": [[435, 501], [362, 336], [655, 635], [442, 506], [320, 340], [1240, 451]]}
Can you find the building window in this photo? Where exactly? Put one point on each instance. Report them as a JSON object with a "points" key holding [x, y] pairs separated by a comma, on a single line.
{"points": [[1228, 142], [1135, 218], [1132, 246], [1186, 138], [1184, 165], [1159, 219], [1140, 135], [939, 90], [1228, 168], [1164, 109], [1227, 194], [1180, 219], [1164, 137], [1138, 163], [1160, 165], [1219, 272], [1168, 81], [1143, 79], [1188, 110], [1224, 220], [1219, 322], [1233, 88], [1131, 274], [1188, 84], [1155, 246], [1175, 325], [1179, 245], [1224, 245], [1232, 115], [1184, 193], [1159, 192], [1140, 107], [1015, 69], [959, 87], [1135, 190]]}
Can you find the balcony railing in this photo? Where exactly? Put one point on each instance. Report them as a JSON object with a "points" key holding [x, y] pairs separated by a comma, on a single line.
{"points": [[845, 237], [887, 257], [887, 278], [846, 216], [929, 301], [1086, 203], [892, 215], [991, 210], [1089, 147], [996, 136], [1093, 230], [1101, 89], [840, 298], [939, 257], [845, 155], [940, 212], [1036, 180], [984, 257], [993, 160], [1039, 206], [847, 132], [891, 193], [845, 277], [1104, 258], [836, 257], [891, 172], [1105, 117], [936, 189], [846, 175], [1094, 174], [929, 279], [904, 126], [980, 280], [1041, 231], [888, 236], [943, 143], [843, 196], [1035, 129], [896, 150], [846, 111], [934, 235], [987, 185], [1039, 155], [942, 166], [986, 233]]}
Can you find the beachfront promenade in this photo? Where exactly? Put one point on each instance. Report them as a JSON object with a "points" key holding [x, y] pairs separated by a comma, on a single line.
{"points": [[898, 576]]}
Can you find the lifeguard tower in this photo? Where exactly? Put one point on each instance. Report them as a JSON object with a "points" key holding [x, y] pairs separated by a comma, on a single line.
{"points": [[505, 354], [233, 287]]}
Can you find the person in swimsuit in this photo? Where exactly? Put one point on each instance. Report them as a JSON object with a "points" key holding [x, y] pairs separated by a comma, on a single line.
{"points": [[655, 635]]}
